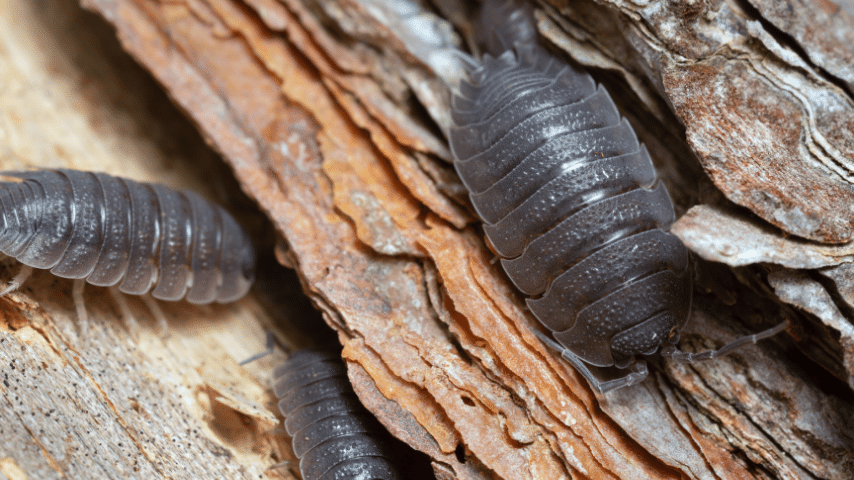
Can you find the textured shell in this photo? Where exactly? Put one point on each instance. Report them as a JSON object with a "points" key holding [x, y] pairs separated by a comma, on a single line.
{"points": [[112, 230], [333, 435], [571, 203]]}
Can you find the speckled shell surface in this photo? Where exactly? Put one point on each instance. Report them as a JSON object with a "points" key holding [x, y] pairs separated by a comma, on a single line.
{"points": [[571, 204], [334, 436], [110, 230]]}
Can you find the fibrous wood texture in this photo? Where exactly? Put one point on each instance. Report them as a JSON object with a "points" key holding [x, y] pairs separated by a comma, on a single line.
{"points": [[331, 115], [113, 404]]}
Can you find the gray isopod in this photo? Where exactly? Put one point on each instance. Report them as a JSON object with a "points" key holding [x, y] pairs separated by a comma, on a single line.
{"points": [[571, 203], [334, 436], [111, 231]]}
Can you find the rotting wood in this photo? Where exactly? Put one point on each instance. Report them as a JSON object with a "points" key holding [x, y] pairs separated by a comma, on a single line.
{"points": [[313, 106], [112, 405]]}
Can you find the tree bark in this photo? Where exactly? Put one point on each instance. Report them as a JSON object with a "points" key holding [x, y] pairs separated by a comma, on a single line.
{"points": [[115, 403], [331, 116]]}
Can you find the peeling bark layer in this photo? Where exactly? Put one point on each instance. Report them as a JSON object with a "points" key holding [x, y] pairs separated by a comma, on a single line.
{"points": [[332, 121]]}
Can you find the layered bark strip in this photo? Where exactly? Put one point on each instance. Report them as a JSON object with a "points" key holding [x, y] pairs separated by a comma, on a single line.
{"points": [[349, 194], [109, 230], [571, 203], [334, 437]]}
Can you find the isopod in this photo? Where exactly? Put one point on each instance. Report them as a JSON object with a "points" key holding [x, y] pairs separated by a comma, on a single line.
{"points": [[334, 436], [110, 231], [571, 203]]}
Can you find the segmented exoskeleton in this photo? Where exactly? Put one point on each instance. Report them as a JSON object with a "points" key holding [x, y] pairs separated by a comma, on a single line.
{"points": [[333, 435], [571, 204], [110, 231]]}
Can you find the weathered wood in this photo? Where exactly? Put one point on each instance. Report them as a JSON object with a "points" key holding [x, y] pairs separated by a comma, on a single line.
{"points": [[110, 405], [319, 107]]}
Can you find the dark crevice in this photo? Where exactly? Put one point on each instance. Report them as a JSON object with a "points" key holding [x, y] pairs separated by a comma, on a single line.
{"points": [[463, 354], [845, 309], [417, 110], [809, 352], [756, 469], [807, 369], [789, 41], [813, 373], [460, 453], [416, 465], [281, 293]]}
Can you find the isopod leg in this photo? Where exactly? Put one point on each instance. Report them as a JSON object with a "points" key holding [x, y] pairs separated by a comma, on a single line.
{"points": [[82, 316], [469, 61], [18, 279], [127, 316], [162, 326], [271, 345], [672, 352], [283, 464], [638, 375]]}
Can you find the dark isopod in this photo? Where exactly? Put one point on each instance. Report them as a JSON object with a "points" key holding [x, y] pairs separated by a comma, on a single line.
{"points": [[334, 436], [571, 203], [114, 231]]}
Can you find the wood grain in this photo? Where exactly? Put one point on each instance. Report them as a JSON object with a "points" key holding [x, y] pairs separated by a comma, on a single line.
{"points": [[111, 405], [331, 118]]}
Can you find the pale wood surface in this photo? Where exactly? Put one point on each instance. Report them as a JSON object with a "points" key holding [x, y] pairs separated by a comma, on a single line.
{"points": [[331, 115], [110, 405], [332, 119]]}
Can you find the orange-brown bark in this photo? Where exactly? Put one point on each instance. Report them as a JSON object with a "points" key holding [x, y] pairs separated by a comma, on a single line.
{"points": [[314, 106]]}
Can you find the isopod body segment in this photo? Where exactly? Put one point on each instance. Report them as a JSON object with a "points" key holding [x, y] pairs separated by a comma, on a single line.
{"points": [[115, 231], [571, 203], [334, 436]]}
